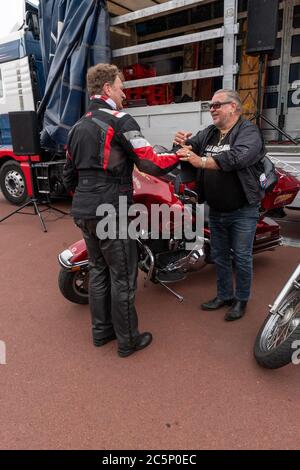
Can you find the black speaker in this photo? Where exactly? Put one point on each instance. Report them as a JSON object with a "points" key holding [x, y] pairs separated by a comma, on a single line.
{"points": [[24, 132], [262, 26]]}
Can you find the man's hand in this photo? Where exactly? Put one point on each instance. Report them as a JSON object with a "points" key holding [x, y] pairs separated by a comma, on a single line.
{"points": [[187, 155], [181, 137]]}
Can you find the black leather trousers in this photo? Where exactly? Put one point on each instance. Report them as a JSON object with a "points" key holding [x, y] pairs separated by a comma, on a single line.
{"points": [[113, 271]]}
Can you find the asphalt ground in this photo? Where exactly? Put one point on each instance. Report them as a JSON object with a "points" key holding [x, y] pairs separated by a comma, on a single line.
{"points": [[196, 387]]}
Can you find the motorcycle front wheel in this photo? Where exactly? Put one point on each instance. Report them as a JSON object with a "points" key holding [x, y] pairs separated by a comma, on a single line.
{"points": [[74, 285], [275, 342]]}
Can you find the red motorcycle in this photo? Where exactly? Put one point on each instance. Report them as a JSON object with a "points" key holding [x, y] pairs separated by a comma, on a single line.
{"points": [[168, 260]]}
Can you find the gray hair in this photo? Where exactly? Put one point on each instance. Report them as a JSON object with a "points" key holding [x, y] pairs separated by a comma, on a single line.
{"points": [[232, 95]]}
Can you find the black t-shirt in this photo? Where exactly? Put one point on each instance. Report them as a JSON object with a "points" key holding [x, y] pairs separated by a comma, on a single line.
{"points": [[222, 189]]}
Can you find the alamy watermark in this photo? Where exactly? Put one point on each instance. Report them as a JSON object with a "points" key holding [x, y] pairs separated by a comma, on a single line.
{"points": [[157, 221], [295, 97], [296, 353], [2, 353]]}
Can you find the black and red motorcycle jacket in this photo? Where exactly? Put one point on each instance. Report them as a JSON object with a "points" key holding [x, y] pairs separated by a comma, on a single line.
{"points": [[103, 147]]}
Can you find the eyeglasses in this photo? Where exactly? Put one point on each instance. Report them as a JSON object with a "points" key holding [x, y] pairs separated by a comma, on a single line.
{"points": [[218, 104]]}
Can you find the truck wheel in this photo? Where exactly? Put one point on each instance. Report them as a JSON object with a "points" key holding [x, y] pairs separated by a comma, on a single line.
{"points": [[74, 285], [12, 183]]}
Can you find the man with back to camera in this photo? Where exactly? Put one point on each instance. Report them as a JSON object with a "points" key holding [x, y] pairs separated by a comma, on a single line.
{"points": [[224, 155], [103, 147]]}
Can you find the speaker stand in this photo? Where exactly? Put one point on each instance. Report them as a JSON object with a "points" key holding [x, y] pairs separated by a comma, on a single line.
{"points": [[37, 211], [258, 117]]}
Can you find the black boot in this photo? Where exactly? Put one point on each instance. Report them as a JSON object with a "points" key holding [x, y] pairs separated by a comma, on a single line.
{"points": [[216, 303], [141, 342], [103, 341], [237, 310]]}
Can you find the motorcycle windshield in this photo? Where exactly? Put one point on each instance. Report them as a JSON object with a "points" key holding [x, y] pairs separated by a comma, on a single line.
{"points": [[74, 36]]}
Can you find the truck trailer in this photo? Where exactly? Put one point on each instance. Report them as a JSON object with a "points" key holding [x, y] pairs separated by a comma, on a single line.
{"points": [[174, 55]]}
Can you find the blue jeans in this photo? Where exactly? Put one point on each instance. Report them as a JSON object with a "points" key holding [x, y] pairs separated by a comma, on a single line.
{"points": [[232, 234]]}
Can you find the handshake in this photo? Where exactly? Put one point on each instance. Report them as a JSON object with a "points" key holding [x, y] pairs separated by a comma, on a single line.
{"points": [[186, 153]]}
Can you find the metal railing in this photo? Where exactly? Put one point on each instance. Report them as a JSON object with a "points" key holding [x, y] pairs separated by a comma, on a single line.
{"points": [[228, 32]]}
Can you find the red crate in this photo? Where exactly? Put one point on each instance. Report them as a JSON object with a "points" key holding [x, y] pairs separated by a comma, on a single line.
{"points": [[159, 94], [128, 73], [136, 71], [153, 94], [133, 93], [149, 90]]}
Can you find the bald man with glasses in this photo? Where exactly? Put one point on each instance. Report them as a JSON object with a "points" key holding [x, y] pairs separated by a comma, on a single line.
{"points": [[226, 156]]}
